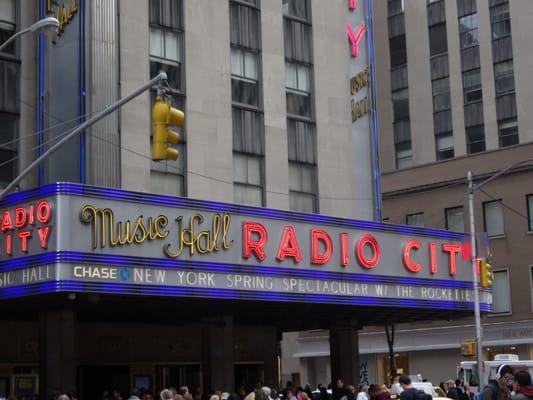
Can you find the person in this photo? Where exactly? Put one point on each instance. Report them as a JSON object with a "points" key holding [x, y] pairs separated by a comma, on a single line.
{"points": [[323, 393], [469, 395], [408, 391], [338, 389], [134, 395], [166, 395], [362, 393], [396, 389], [184, 391], [378, 393], [452, 392], [290, 394], [267, 391], [522, 385], [498, 388]]}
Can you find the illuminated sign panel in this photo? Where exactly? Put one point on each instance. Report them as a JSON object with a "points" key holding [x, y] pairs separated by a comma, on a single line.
{"points": [[113, 241]]}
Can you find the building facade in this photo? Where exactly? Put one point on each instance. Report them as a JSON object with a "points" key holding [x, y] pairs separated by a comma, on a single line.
{"points": [[453, 90], [453, 94]]}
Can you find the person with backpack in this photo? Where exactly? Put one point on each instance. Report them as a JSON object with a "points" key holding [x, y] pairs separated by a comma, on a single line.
{"points": [[522, 385], [409, 392], [498, 388]]}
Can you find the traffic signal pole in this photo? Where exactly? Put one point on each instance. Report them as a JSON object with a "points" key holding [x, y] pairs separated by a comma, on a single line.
{"points": [[475, 280], [91, 121]]}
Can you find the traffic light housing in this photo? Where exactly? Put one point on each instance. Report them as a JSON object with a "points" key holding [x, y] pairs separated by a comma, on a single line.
{"points": [[468, 347], [486, 276], [164, 117]]}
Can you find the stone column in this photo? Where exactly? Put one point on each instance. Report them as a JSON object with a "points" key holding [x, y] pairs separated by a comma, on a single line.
{"points": [[57, 352], [344, 354], [218, 361], [270, 357]]}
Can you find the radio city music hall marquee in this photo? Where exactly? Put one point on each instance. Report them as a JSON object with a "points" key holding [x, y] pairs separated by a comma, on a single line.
{"points": [[76, 238]]}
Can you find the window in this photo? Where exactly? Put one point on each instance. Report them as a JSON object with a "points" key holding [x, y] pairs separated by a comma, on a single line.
{"points": [[395, 7], [400, 104], [247, 179], [472, 86], [166, 41], [398, 51], [493, 218], [468, 31], [297, 8], [529, 201], [166, 54], [298, 84], [415, 219], [302, 183], [501, 293], [438, 42], [441, 94], [508, 132], [455, 219], [8, 130], [244, 77], [444, 145], [7, 22], [475, 139], [500, 21], [504, 77], [404, 155]]}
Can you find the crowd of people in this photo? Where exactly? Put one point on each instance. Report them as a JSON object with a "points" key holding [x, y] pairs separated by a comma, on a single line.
{"points": [[507, 385]]}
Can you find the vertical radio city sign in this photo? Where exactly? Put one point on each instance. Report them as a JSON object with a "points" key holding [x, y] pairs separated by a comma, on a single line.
{"points": [[71, 237]]}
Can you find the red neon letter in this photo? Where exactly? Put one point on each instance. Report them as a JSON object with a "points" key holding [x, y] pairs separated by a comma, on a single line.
{"points": [[453, 249], [289, 246], [20, 217], [31, 216], [43, 236], [43, 211], [345, 255], [6, 221], [249, 245], [433, 257], [353, 4], [24, 235], [410, 265], [318, 235], [355, 37], [360, 251], [9, 245]]}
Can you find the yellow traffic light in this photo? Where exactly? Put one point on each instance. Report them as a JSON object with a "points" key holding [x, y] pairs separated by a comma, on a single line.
{"points": [[164, 116], [468, 347], [486, 276]]}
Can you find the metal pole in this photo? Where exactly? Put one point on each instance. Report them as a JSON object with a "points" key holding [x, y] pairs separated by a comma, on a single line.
{"points": [[475, 280], [106, 111]]}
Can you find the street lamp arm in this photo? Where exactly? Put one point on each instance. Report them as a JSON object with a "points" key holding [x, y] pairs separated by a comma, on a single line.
{"points": [[162, 76], [503, 171]]}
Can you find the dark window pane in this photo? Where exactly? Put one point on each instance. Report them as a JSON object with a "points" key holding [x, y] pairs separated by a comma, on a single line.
{"points": [[508, 133], [7, 165], [438, 43], [173, 73], [247, 131], [297, 8], [501, 21], [395, 7], [244, 26], [444, 144], [166, 13], [398, 51], [301, 141], [298, 104], [472, 86], [244, 91], [297, 40], [475, 139], [504, 77]]}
